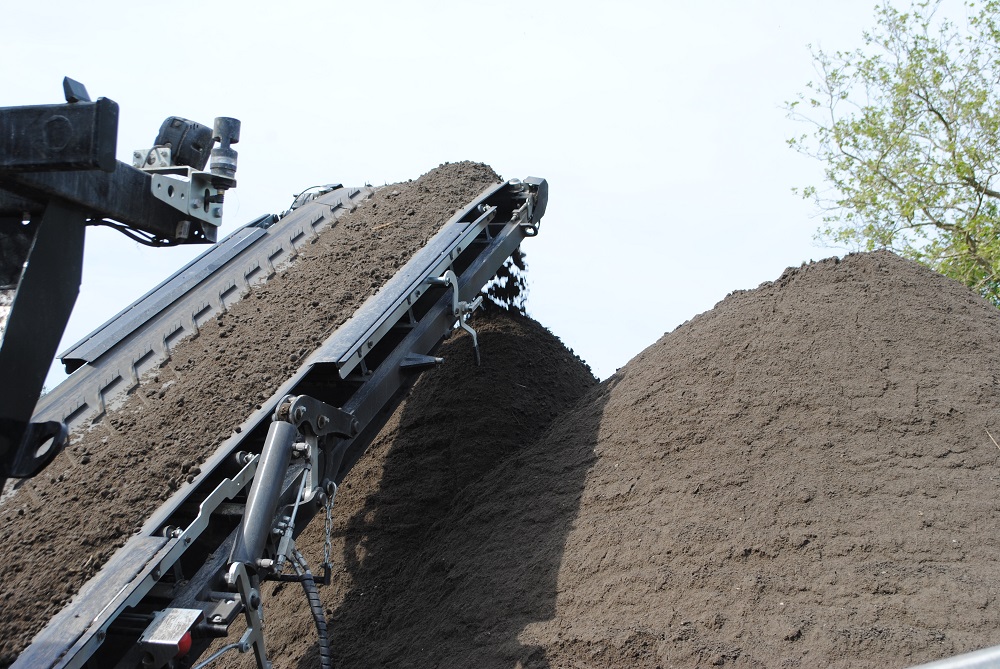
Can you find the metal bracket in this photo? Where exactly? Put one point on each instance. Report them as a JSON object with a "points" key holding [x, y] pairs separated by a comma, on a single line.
{"points": [[168, 634], [195, 196], [294, 415], [417, 362], [461, 310], [319, 418], [177, 176], [253, 610], [535, 192], [156, 158], [40, 444]]}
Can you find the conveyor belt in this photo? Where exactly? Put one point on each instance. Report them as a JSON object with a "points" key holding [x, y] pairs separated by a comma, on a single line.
{"points": [[110, 361], [180, 561]]}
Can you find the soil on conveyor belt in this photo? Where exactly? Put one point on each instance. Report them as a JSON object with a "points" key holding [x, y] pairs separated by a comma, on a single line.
{"points": [[804, 476], [62, 526]]}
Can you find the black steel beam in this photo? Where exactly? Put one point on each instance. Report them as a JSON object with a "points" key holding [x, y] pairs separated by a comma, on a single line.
{"points": [[42, 305], [76, 136], [123, 195]]}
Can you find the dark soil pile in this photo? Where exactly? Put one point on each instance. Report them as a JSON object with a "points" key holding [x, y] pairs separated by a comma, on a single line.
{"points": [[803, 476], [458, 422], [61, 527]]}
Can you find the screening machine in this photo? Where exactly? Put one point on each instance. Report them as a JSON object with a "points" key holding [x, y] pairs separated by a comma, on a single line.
{"points": [[195, 568]]}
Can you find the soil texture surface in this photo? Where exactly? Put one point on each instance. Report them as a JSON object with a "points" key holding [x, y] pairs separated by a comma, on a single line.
{"points": [[457, 424], [803, 476], [62, 526]]}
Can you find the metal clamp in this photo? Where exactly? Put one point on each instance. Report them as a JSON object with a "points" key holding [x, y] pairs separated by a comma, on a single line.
{"points": [[253, 610], [535, 193], [460, 309], [195, 195], [177, 176]]}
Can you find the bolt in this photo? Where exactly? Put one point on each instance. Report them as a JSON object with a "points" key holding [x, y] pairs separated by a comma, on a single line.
{"points": [[322, 421]]}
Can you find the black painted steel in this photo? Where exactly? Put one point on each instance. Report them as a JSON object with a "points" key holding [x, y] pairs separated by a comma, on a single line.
{"points": [[45, 296], [57, 173], [76, 136], [176, 286], [123, 195]]}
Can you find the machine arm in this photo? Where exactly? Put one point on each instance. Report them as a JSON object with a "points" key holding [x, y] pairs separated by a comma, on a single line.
{"points": [[58, 173]]}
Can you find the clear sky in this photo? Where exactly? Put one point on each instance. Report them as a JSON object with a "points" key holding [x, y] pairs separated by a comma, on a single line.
{"points": [[659, 126]]}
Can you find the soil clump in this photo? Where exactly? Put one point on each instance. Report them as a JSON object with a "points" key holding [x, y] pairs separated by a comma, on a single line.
{"points": [[61, 527]]}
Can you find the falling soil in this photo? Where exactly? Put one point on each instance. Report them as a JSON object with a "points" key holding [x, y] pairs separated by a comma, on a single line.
{"points": [[62, 526], [803, 476]]}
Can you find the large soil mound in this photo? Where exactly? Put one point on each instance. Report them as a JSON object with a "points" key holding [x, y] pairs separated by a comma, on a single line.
{"points": [[803, 476], [62, 526]]}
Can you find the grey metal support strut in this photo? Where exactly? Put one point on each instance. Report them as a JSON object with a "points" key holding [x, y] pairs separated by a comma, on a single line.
{"points": [[313, 419], [262, 502]]}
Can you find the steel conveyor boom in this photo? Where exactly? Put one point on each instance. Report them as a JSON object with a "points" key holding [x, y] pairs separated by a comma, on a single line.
{"points": [[196, 565]]}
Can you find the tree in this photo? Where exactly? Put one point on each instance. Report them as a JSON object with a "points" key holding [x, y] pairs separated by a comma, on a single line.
{"points": [[908, 127]]}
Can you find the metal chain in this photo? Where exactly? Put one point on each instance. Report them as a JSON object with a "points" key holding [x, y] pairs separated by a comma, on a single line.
{"points": [[328, 543]]}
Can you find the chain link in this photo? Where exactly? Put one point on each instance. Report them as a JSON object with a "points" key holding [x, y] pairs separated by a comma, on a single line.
{"points": [[328, 543]]}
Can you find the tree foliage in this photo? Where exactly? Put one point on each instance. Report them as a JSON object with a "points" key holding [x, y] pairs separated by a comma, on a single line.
{"points": [[908, 127]]}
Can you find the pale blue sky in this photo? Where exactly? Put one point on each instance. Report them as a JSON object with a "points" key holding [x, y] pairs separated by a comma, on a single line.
{"points": [[659, 126]]}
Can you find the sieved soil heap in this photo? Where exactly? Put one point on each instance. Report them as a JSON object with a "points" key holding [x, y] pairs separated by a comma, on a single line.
{"points": [[803, 476], [62, 526], [456, 424]]}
